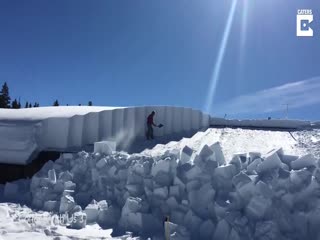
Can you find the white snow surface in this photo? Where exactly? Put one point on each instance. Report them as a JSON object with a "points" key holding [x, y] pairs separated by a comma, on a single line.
{"points": [[240, 140]]}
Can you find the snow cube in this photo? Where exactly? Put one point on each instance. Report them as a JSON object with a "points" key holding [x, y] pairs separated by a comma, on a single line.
{"points": [[79, 220], [270, 162], [217, 150], [104, 147], [185, 154], [258, 207], [304, 161], [66, 204], [50, 206], [11, 191], [52, 176]]}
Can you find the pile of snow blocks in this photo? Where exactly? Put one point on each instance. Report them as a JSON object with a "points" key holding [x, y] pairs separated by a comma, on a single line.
{"points": [[251, 196]]}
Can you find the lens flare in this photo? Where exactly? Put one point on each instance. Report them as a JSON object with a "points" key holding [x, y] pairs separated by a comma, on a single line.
{"points": [[219, 60]]}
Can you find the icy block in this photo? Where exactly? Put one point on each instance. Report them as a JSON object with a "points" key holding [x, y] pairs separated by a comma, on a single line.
{"points": [[160, 166], [253, 166], [174, 191], [104, 147], [222, 176], [264, 190], [217, 150], [101, 163], [304, 161], [222, 230], [161, 193], [50, 206], [300, 178], [258, 207], [185, 154], [240, 179], [92, 212], [254, 155], [52, 176], [108, 218], [66, 204], [207, 229], [11, 191], [69, 185], [172, 203], [79, 220], [66, 176], [67, 156], [270, 162], [266, 230], [206, 153], [193, 173], [287, 159]]}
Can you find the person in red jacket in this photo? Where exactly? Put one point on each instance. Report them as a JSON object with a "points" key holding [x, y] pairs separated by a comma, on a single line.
{"points": [[150, 125]]}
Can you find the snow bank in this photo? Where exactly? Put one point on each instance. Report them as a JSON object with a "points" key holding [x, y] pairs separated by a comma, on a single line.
{"points": [[272, 123], [254, 196], [68, 128]]}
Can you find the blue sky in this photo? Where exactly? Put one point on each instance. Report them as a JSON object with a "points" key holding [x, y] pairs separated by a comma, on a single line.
{"points": [[141, 52]]}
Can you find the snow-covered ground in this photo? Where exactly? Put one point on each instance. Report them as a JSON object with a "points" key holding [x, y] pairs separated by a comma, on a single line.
{"points": [[258, 195], [243, 140]]}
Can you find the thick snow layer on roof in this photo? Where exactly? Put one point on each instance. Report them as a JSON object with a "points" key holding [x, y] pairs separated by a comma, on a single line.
{"points": [[40, 113], [24, 132]]}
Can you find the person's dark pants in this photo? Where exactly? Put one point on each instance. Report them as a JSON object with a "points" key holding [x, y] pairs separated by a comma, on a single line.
{"points": [[150, 132]]}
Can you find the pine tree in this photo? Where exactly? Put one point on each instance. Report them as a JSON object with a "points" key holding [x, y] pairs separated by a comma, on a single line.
{"points": [[4, 96], [30, 105], [14, 104], [56, 103], [27, 105], [19, 104], [90, 103], [35, 104]]}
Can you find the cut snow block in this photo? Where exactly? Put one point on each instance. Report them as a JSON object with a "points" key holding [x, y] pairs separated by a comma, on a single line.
{"points": [[140, 121], [287, 159], [258, 207], [216, 148], [117, 123], [161, 193], [222, 230], [66, 204], [196, 119], [105, 125], [50, 206], [75, 131], [109, 217], [11, 191], [90, 128], [168, 120], [177, 120], [253, 166], [186, 119], [56, 131], [271, 161], [79, 220], [304, 161], [104, 147], [206, 153], [240, 179], [207, 229], [129, 125], [185, 155], [52, 176], [300, 178]]}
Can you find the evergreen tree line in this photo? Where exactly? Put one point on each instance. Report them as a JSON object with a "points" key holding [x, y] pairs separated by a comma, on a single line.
{"points": [[5, 100]]}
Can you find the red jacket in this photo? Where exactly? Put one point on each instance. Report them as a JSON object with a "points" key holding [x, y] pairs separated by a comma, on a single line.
{"points": [[150, 120]]}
